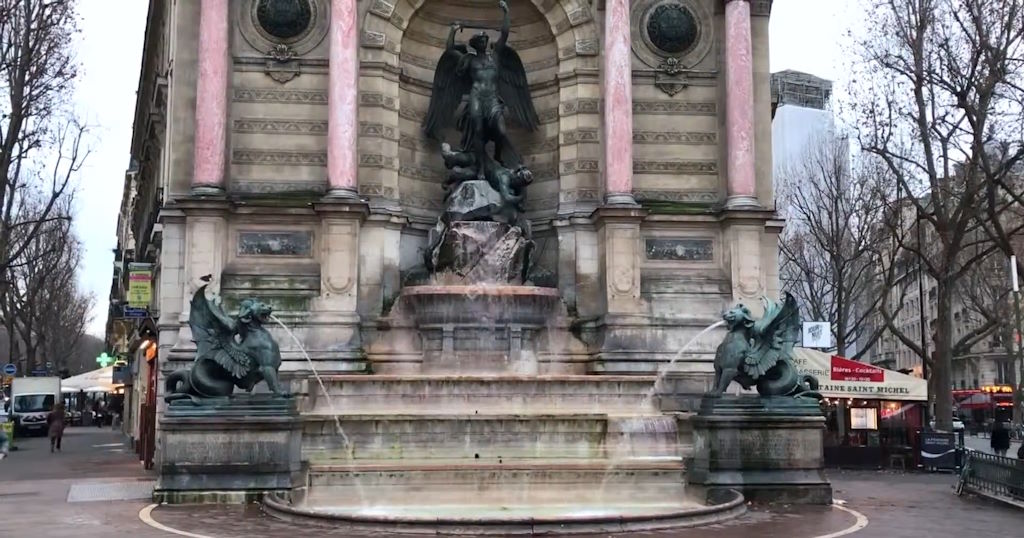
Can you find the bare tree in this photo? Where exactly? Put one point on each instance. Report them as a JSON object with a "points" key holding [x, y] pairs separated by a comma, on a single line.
{"points": [[827, 249], [41, 144], [45, 308], [941, 76]]}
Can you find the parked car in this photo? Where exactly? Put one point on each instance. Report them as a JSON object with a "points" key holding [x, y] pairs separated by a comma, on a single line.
{"points": [[958, 425]]}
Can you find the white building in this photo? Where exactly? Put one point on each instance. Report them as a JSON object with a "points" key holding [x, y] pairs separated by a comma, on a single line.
{"points": [[801, 117]]}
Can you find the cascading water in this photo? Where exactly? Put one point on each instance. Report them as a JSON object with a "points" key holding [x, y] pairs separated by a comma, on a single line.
{"points": [[330, 405], [642, 425], [323, 388], [668, 367]]}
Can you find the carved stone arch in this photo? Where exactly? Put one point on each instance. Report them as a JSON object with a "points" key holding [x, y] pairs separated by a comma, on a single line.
{"points": [[394, 82]]}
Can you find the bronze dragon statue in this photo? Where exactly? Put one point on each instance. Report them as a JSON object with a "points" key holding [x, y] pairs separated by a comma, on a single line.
{"points": [[230, 351], [758, 353]]}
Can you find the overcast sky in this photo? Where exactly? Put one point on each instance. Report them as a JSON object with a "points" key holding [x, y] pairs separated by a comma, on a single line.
{"points": [[806, 35]]}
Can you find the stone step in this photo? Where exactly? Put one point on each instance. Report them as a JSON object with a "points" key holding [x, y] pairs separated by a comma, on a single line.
{"points": [[510, 483], [482, 394], [493, 437]]}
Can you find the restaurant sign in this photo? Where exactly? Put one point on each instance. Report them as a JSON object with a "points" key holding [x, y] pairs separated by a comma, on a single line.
{"points": [[840, 377], [140, 285]]}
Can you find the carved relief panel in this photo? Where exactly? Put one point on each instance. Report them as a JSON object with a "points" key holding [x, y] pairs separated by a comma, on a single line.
{"points": [[282, 35], [672, 39]]}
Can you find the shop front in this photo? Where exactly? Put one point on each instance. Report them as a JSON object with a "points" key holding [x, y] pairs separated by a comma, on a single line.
{"points": [[979, 408], [873, 415]]}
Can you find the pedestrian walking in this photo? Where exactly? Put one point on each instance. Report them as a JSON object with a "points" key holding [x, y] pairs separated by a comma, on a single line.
{"points": [[4, 444], [55, 423], [1000, 439]]}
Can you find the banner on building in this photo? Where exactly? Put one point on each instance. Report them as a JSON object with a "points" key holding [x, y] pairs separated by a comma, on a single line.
{"points": [[140, 285], [843, 378]]}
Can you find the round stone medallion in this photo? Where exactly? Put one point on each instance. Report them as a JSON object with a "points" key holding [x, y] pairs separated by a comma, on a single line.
{"points": [[284, 19], [672, 28]]}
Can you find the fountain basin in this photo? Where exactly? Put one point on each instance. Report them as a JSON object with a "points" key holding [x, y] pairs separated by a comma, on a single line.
{"points": [[478, 328], [422, 513], [480, 304]]}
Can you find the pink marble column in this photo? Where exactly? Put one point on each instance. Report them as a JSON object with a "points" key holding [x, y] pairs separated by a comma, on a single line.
{"points": [[739, 105], [617, 91], [211, 135], [342, 100]]}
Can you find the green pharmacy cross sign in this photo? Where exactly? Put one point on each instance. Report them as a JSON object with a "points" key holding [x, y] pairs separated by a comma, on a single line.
{"points": [[105, 360]]}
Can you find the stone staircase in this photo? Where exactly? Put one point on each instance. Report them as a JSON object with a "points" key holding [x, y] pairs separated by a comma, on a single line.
{"points": [[493, 439]]}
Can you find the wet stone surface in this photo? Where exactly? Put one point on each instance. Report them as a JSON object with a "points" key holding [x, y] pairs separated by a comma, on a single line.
{"points": [[897, 505]]}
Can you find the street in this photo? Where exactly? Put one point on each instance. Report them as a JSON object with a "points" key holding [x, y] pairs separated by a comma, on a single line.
{"points": [[96, 484], [982, 444]]}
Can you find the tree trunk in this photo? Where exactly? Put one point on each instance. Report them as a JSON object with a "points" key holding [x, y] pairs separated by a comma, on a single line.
{"points": [[942, 366]]}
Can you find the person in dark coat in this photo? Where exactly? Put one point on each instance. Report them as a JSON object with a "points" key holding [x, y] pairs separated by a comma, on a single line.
{"points": [[55, 423], [1000, 439]]}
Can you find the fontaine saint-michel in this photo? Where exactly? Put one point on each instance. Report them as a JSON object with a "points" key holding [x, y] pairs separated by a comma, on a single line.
{"points": [[454, 346]]}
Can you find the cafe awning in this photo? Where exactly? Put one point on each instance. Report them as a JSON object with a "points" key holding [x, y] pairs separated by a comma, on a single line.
{"points": [[840, 377], [99, 380]]}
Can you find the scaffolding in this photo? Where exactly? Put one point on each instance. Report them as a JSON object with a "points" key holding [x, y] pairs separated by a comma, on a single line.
{"points": [[800, 89]]}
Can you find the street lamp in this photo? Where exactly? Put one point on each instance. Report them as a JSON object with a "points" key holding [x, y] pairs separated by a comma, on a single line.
{"points": [[1016, 332]]}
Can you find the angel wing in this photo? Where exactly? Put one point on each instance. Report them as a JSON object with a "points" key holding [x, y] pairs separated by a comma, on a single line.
{"points": [[775, 335], [449, 87], [213, 332], [513, 87]]}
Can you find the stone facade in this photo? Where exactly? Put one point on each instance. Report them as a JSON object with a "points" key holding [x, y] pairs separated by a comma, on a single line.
{"points": [[637, 279]]}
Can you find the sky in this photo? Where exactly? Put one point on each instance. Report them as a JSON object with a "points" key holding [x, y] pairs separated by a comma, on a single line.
{"points": [[806, 35]]}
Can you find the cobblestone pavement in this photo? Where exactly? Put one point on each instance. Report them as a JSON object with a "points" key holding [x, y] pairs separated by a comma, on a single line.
{"points": [[35, 487]]}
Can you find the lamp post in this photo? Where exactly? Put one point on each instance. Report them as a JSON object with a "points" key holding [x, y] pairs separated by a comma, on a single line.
{"points": [[1017, 336]]}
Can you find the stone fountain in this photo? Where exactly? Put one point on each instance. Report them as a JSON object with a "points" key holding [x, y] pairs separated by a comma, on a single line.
{"points": [[490, 421], [474, 385]]}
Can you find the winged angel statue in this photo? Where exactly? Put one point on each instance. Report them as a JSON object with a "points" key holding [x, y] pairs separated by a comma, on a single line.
{"points": [[494, 80], [760, 352], [230, 351]]}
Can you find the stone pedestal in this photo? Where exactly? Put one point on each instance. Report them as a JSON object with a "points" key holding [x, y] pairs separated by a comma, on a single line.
{"points": [[769, 449], [235, 450]]}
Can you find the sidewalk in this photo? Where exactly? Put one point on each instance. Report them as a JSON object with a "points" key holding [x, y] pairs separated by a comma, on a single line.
{"points": [[45, 495]]}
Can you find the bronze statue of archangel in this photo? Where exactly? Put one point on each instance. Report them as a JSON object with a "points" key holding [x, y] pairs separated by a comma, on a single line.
{"points": [[494, 79]]}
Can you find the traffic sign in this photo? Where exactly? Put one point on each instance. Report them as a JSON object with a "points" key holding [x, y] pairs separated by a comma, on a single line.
{"points": [[10, 369], [130, 312]]}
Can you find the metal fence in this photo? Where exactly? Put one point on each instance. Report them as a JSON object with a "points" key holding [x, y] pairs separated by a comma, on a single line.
{"points": [[993, 476]]}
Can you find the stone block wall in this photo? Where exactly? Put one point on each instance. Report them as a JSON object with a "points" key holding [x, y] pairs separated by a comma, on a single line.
{"points": [[639, 284]]}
